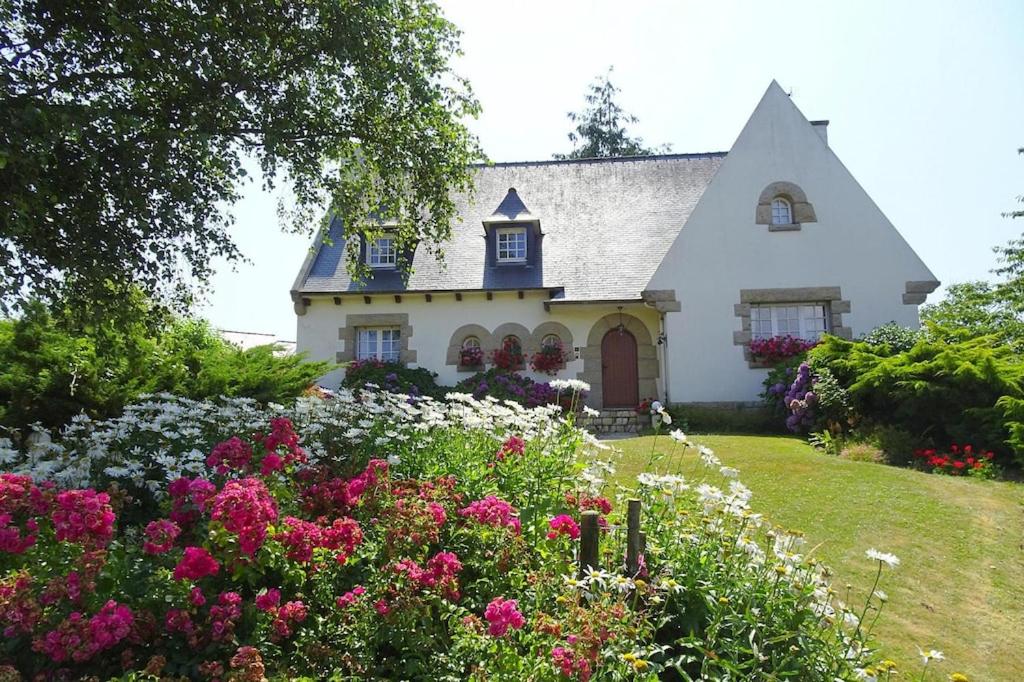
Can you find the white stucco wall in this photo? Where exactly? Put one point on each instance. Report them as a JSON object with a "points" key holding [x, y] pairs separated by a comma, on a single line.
{"points": [[434, 323], [721, 250]]}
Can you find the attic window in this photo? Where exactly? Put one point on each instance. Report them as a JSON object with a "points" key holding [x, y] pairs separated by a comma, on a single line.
{"points": [[382, 253], [511, 245], [782, 212]]}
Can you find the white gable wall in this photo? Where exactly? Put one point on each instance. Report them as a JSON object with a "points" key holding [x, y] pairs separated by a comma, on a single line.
{"points": [[721, 250]]}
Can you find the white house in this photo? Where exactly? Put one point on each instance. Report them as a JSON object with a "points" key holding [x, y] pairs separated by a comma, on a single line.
{"points": [[654, 272]]}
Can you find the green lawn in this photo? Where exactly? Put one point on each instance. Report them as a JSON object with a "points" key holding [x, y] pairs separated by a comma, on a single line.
{"points": [[960, 587]]}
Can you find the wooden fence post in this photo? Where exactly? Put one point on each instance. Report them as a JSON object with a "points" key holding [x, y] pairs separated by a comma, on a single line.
{"points": [[633, 538], [589, 538]]}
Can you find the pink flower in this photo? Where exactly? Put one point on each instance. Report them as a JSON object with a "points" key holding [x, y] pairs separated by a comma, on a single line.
{"points": [[20, 501], [349, 598], [287, 616], [196, 563], [189, 499], [231, 454], [245, 508], [160, 536], [302, 537], [492, 511], [84, 517], [503, 614], [224, 615], [268, 600], [77, 639], [563, 524], [196, 597], [271, 462], [382, 607]]}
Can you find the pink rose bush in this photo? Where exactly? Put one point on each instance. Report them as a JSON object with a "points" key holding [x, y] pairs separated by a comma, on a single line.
{"points": [[381, 537]]}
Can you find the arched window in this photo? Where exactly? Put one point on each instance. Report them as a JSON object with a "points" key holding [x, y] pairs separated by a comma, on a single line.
{"points": [[470, 342], [551, 341], [512, 344], [782, 212]]}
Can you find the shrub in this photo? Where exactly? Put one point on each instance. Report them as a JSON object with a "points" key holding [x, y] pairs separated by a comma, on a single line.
{"points": [[504, 385], [897, 445], [284, 548], [862, 452], [714, 419], [54, 366], [393, 377], [937, 391], [898, 338]]}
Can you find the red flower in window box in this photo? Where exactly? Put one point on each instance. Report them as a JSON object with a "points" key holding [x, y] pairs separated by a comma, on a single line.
{"points": [[509, 357], [778, 348], [549, 359]]}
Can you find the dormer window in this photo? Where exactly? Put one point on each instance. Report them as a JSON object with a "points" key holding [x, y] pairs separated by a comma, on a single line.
{"points": [[782, 212], [382, 253], [511, 244]]}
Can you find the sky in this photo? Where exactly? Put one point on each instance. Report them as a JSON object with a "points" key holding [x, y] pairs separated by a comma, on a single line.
{"points": [[925, 102]]}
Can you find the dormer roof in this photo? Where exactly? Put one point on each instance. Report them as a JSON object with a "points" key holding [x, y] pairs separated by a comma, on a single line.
{"points": [[511, 210]]}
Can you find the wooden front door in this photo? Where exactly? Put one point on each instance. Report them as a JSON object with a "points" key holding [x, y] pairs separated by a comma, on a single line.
{"points": [[618, 369]]}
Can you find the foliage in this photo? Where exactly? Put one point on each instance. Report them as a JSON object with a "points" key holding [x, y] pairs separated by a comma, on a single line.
{"points": [[455, 558], [778, 348], [971, 310], [391, 376], [827, 442], [897, 445], [897, 337], [937, 391], [504, 385], [53, 367], [127, 130], [601, 126], [957, 461], [711, 419], [862, 452], [549, 359]]}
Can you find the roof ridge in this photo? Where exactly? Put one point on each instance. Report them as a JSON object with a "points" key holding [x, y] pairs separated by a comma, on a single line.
{"points": [[602, 159]]}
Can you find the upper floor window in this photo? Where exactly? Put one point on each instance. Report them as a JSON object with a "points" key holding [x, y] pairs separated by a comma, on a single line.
{"points": [[801, 321], [382, 343], [382, 253], [511, 244], [782, 212]]}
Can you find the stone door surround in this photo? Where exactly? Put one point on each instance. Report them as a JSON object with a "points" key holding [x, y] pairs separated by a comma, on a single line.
{"points": [[646, 352]]}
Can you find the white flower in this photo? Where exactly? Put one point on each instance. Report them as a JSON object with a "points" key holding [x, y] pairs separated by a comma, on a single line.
{"points": [[729, 472], [591, 412], [931, 655], [678, 436], [890, 560], [394, 460]]}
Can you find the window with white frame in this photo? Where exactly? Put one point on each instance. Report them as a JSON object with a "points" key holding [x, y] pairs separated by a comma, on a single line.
{"points": [[382, 343], [470, 342], [381, 252], [799, 320], [782, 212], [512, 245]]}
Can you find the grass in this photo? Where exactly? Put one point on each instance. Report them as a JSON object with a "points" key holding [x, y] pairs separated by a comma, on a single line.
{"points": [[961, 543]]}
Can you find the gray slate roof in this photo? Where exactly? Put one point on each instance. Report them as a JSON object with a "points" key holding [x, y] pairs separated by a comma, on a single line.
{"points": [[607, 224]]}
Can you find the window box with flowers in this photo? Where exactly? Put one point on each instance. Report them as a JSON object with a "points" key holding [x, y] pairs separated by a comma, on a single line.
{"points": [[550, 358], [774, 349], [471, 359], [510, 356]]}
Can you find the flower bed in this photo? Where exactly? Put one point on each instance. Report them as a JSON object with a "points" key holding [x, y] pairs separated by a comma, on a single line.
{"points": [[370, 536], [957, 461]]}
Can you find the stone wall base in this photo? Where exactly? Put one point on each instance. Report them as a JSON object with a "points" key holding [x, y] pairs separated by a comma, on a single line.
{"points": [[614, 421]]}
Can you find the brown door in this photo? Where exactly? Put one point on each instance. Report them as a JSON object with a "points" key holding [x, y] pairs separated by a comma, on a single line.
{"points": [[618, 369]]}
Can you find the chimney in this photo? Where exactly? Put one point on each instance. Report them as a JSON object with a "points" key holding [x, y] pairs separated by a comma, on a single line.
{"points": [[821, 127]]}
